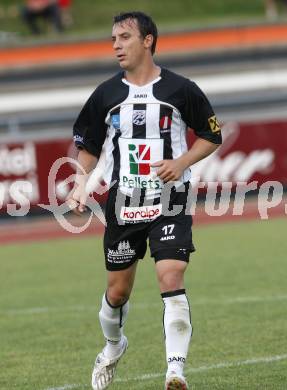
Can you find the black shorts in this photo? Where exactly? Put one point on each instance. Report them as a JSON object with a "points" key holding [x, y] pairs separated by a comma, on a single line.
{"points": [[170, 236]]}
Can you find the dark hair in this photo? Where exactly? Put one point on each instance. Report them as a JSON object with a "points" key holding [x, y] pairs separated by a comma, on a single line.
{"points": [[145, 24]]}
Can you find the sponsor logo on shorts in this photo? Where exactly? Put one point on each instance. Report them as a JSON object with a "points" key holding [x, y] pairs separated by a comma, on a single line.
{"points": [[123, 254], [166, 238], [140, 214]]}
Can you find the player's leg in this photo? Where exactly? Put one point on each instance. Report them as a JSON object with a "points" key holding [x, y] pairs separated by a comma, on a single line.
{"points": [[123, 245], [171, 244], [113, 314], [176, 319], [52, 13], [30, 18], [115, 307]]}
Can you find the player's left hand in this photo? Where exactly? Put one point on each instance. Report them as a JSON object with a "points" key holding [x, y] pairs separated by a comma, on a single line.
{"points": [[168, 170]]}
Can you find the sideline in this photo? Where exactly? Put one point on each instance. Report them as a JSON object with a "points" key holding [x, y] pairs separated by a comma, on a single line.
{"points": [[191, 370]]}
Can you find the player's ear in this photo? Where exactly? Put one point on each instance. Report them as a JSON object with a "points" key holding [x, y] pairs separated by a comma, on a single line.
{"points": [[148, 41]]}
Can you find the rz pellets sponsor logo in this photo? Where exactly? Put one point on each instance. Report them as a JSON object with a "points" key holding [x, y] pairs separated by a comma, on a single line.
{"points": [[139, 158], [138, 182], [139, 168]]}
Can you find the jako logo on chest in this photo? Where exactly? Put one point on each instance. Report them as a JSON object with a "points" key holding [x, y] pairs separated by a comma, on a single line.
{"points": [[140, 95]]}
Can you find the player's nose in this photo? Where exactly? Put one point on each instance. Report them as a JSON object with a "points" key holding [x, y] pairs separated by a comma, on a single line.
{"points": [[116, 44]]}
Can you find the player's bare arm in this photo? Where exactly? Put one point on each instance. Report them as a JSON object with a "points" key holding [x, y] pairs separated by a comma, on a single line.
{"points": [[171, 170], [78, 196]]}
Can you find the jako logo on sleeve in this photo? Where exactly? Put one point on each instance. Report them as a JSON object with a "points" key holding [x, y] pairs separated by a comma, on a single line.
{"points": [[139, 158]]}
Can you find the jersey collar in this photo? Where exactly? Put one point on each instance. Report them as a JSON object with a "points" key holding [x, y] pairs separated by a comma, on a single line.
{"points": [[125, 81]]}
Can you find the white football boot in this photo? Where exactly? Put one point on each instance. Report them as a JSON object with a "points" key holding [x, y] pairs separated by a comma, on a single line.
{"points": [[175, 382], [105, 368]]}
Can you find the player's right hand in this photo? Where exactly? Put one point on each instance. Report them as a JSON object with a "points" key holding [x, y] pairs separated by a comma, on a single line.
{"points": [[77, 198]]}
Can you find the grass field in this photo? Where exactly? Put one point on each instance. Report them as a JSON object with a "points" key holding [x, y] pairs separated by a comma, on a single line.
{"points": [[95, 16], [50, 294]]}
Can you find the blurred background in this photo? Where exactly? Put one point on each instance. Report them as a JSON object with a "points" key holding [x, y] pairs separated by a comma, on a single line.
{"points": [[53, 54]]}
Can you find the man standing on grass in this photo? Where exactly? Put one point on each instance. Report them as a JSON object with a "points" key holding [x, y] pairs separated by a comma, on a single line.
{"points": [[142, 114]]}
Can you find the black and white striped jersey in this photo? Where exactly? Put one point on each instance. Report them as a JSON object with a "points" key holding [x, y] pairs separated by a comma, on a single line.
{"points": [[139, 125]]}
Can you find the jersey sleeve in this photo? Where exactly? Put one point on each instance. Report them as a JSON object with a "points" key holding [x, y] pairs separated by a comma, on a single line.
{"points": [[90, 129], [199, 115]]}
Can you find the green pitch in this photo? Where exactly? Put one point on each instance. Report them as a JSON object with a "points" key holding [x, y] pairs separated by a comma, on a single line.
{"points": [[50, 295], [95, 16]]}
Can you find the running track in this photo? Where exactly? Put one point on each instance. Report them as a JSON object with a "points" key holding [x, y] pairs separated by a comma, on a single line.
{"points": [[214, 39], [47, 228]]}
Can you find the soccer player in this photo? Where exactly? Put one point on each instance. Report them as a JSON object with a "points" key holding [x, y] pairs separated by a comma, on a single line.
{"points": [[142, 115]]}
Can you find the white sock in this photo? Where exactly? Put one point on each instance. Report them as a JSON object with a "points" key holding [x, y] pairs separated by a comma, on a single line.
{"points": [[112, 319], [177, 329]]}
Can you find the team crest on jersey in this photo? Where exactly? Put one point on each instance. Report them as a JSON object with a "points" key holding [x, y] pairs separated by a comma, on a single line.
{"points": [[139, 158], [139, 117], [213, 124]]}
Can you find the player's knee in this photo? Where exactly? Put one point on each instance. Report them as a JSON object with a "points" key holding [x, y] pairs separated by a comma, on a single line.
{"points": [[170, 281], [117, 296]]}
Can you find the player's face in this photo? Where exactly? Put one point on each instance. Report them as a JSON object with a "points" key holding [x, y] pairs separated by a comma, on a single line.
{"points": [[129, 46]]}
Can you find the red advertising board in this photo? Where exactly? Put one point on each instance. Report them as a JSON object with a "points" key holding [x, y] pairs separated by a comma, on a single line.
{"points": [[251, 151], [25, 167]]}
